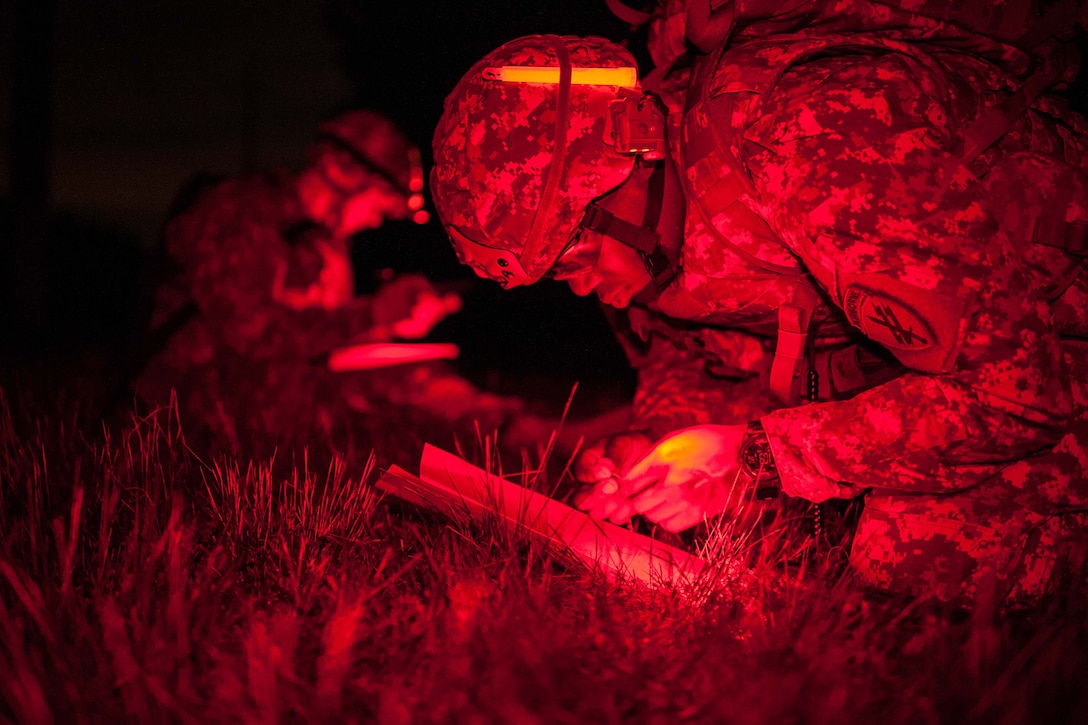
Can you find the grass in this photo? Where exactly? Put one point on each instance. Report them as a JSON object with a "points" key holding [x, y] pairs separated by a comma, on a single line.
{"points": [[145, 579]]}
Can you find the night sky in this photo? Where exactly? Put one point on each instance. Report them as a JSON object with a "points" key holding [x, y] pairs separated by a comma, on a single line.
{"points": [[144, 95]]}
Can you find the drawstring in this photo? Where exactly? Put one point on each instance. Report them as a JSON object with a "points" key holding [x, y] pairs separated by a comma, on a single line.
{"points": [[813, 394]]}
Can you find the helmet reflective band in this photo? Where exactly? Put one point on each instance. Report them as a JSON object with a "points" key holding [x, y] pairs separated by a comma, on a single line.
{"points": [[502, 164]]}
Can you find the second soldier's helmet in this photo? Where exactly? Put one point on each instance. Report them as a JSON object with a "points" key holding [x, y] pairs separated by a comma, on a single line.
{"points": [[365, 141], [524, 144]]}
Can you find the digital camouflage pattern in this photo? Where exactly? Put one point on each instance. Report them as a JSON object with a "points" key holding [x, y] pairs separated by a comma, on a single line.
{"points": [[491, 170], [824, 155], [849, 146], [993, 28], [262, 295]]}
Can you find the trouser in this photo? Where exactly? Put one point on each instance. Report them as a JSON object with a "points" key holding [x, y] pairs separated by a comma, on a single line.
{"points": [[1008, 537], [963, 546]]}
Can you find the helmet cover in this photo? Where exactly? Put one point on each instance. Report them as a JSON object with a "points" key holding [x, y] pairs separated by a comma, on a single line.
{"points": [[509, 174], [371, 142]]}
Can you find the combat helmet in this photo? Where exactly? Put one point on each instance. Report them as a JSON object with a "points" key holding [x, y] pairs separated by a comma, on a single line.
{"points": [[367, 140], [528, 138]]}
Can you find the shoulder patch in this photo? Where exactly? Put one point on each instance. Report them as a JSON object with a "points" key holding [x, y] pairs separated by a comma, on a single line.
{"points": [[923, 328], [886, 320]]}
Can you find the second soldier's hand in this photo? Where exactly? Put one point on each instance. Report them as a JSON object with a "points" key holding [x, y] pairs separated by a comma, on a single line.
{"points": [[600, 467]]}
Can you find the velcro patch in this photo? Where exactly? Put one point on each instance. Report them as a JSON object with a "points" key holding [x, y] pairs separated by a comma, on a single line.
{"points": [[923, 328], [885, 320]]}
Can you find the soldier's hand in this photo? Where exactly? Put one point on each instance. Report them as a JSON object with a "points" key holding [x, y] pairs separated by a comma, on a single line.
{"points": [[687, 476], [410, 306], [428, 310], [600, 467]]}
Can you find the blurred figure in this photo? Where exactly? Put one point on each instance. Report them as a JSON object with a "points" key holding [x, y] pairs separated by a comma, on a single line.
{"points": [[262, 290], [845, 244]]}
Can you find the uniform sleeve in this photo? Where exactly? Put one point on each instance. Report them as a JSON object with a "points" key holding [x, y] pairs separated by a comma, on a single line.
{"points": [[687, 377], [857, 169], [231, 246]]}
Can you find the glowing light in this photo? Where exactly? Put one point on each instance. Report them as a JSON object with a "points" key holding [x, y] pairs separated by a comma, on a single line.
{"points": [[388, 354], [415, 163], [677, 448], [622, 77]]}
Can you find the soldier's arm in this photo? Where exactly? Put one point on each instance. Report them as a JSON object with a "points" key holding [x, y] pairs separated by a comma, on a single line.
{"points": [[681, 384], [237, 261], [863, 182]]}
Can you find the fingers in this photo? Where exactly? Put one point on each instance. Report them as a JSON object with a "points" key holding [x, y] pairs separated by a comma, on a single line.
{"points": [[451, 303], [678, 506], [652, 474], [648, 467], [683, 519], [591, 465], [664, 509], [690, 493], [674, 514], [675, 508], [609, 456], [589, 497], [609, 497], [606, 500], [616, 509], [626, 448]]}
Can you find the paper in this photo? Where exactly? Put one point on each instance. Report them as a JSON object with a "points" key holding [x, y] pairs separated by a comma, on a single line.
{"points": [[450, 485], [386, 354]]}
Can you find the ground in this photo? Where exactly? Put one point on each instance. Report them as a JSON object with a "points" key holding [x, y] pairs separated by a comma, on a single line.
{"points": [[145, 579]]}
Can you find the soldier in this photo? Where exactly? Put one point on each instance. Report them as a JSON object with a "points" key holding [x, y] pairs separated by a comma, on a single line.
{"points": [[263, 291], [847, 265]]}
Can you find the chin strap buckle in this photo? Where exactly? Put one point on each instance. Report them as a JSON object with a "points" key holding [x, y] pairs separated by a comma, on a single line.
{"points": [[661, 270], [643, 240]]}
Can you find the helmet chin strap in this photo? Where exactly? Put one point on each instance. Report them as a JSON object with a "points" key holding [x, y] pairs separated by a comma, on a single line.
{"points": [[643, 238], [638, 127]]}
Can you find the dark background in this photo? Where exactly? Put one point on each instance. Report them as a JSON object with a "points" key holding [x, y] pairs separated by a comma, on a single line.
{"points": [[108, 107]]}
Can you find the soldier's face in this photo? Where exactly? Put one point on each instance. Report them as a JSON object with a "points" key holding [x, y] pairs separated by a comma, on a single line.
{"points": [[345, 215], [597, 264], [347, 198], [367, 210]]}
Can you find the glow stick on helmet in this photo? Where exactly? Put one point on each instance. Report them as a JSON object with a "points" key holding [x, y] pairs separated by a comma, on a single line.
{"points": [[620, 77], [535, 240], [518, 161]]}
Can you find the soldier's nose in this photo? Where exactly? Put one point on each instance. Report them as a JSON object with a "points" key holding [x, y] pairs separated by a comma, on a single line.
{"points": [[582, 286]]}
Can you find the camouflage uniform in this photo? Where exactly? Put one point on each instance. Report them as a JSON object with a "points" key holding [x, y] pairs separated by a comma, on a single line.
{"points": [[248, 356], [243, 361], [839, 228], [950, 390]]}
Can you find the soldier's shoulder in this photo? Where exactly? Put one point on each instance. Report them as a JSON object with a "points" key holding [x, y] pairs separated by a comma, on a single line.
{"points": [[220, 199], [225, 208], [252, 187]]}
